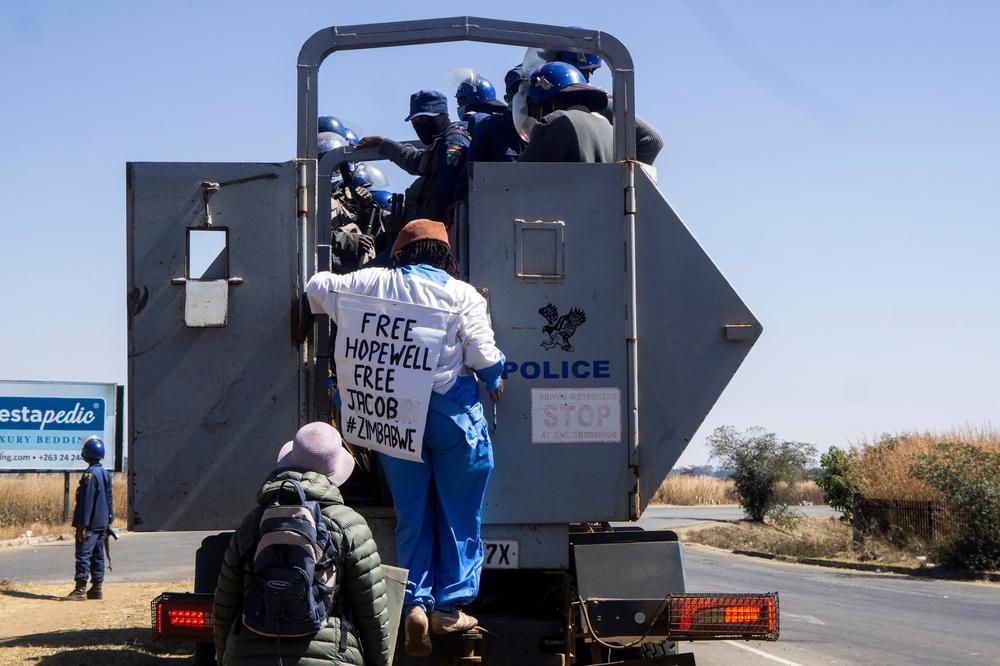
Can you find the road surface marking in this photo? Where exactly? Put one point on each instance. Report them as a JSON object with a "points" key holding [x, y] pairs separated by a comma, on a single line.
{"points": [[808, 619], [761, 653]]}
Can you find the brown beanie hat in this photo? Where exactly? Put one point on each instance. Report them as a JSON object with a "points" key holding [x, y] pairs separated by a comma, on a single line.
{"points": [[419, 230]]}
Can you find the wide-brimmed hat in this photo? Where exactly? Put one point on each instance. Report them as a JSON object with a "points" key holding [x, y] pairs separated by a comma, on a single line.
{"points": [[586, 95], [318, 447], [418, 230]]}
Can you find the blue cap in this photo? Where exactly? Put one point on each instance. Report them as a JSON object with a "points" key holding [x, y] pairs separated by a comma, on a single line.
{"points": [[427, 103]]}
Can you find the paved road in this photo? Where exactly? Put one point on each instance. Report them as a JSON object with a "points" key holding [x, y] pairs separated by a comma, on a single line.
{"points": [[828, 616], [136, 557], [667, 517]]}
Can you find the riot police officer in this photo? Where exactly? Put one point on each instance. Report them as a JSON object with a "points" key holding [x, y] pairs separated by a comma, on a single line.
{"points": [[648, 142], [438, 166], [92, 517], [360, 210], [476, 99], [495, 139], [334, 124], [567, 125]]}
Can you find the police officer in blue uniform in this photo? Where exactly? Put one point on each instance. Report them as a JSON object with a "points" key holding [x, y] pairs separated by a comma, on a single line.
{"points": [[476, 99], [92, 516], [495, 139], [439, 164]]}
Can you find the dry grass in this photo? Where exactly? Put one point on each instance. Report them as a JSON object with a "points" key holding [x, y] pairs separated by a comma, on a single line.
{"points": [[816, 536], [882, 466], [692, 490], [38, 627], [802, 492], [35, 502]]}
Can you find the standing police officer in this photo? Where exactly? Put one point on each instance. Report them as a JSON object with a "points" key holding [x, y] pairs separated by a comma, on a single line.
{"points": [[93, 513], [439, 165]]}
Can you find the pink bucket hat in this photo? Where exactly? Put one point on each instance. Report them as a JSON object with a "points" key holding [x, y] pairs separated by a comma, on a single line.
{"points": [[318, 447]]}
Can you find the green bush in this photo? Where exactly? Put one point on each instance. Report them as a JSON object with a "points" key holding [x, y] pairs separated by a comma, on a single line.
{"points": [[760, 463], [968, 478], [836, 480]]}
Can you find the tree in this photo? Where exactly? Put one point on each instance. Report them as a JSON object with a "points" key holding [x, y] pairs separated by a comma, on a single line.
{"points": [[837, 481], [968, 478], [760, 463]]}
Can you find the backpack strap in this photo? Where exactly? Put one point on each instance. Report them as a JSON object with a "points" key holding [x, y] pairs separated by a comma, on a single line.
{"points": [[296, 486]]}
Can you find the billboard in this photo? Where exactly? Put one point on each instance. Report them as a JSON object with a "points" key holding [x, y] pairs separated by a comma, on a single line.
{"points": [[42, 424]]}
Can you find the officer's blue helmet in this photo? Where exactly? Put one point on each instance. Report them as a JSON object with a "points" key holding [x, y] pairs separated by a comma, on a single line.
{"points": [[585, 62], [93, 449], [478, 91], [383, 198], [330, 124], [351, 136], [327, 141], [552, 78], [369, 176]]}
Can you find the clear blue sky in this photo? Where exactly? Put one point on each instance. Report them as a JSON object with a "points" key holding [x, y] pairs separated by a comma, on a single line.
{"points": [[839, 162]]}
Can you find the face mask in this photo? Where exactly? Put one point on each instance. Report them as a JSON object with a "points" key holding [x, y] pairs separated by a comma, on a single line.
{"points": [[429, 127]]}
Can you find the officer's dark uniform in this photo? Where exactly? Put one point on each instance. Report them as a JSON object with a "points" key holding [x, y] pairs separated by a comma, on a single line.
{"points": [[439, 166], [495, 139], [94, 512]]}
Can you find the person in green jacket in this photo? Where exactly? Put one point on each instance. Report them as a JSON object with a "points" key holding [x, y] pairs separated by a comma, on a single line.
{"points": [[317, 459]]}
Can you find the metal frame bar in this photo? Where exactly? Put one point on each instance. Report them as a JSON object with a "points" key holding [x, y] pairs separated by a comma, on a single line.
{"points": [[464, 28]]}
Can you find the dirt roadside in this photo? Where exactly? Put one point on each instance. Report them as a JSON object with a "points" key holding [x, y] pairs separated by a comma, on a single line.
{"points": [[38, 627]]}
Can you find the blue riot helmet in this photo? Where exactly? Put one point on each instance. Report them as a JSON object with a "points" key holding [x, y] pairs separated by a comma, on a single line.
{"points": [[474, 94], [337, 126], [587, 63], [330, 124], [552, 78], [480, 91], [369, 177], [327, 141], [383, 198], [93, 449], [350, 135]]}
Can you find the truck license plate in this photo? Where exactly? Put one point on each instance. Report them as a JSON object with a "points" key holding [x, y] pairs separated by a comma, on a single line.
{"points": [[499, 554]]}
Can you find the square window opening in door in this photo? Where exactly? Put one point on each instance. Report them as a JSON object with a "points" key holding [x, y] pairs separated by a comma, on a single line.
{"points": [[207, 253], [206, 289]]}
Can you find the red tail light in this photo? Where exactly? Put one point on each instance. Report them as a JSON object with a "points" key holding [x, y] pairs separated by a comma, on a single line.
{"points": [[704, 616], [182, 615]]}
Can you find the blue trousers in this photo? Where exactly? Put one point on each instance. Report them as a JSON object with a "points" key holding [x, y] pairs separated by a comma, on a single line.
{"points": [[439, 507], [90, 557]]}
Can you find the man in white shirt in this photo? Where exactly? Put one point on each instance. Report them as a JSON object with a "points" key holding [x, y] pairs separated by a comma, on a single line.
{"points": [[438, 502]]}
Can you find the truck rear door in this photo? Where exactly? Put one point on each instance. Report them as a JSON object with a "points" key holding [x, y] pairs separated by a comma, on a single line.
{"points": [[547, 241], [213, 372]]}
